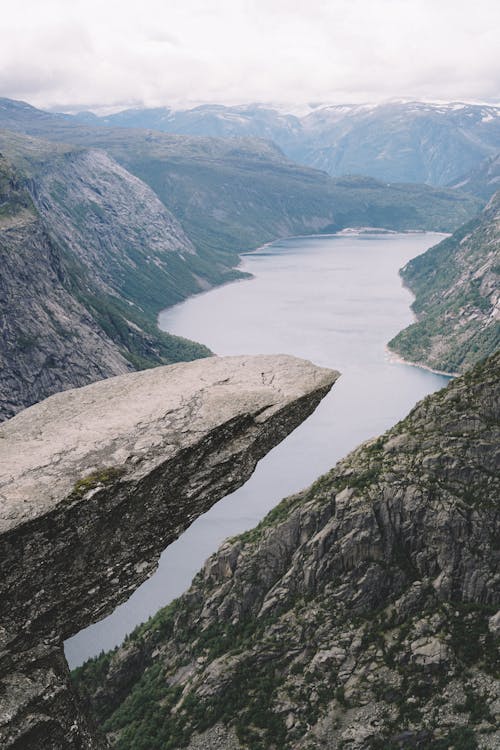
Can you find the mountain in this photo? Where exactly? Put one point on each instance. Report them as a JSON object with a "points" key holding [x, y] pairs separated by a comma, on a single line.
{"points": [[457, 288], [361, 614], [234, 194], [393, 141], [215, 120], [138, 220], [88, 257], [483, 181], [405, 142]]}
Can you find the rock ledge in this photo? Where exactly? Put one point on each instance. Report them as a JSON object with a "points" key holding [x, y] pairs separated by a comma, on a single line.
{"points": [[95, 482]]}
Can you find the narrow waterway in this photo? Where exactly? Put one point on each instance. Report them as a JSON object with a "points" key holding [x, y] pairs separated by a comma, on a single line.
{"points": [[335, 300]]}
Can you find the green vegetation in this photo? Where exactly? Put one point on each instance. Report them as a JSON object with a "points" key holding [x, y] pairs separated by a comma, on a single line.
{"points": [[14, 200], [454, 283], [104, 476], [129, 318]]}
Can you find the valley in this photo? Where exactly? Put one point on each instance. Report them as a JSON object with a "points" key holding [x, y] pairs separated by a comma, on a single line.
{"points": [[359, 613], [334, 300]]}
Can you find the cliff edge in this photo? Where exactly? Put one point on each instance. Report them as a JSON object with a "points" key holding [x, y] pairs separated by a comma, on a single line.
{"points": [[94, 483], [361, 614]]}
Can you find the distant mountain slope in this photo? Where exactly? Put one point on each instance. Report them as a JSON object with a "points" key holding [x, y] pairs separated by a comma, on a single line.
{"points": [[395, 141], [235, 194], [360, 614], [48, 340], [89, 256], [483, 181], [408, 142], [111, 221], [457, 288]]}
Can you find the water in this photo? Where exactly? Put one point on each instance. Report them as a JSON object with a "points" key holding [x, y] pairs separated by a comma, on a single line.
{"points": [[335, 300]]}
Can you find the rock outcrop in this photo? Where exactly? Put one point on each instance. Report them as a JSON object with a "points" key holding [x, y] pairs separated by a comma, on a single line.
{"points": [[361, 614], [95, 483], [457, 288]]}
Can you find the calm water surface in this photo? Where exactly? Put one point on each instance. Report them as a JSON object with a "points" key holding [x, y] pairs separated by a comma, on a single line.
{"points": [[335, 300]]}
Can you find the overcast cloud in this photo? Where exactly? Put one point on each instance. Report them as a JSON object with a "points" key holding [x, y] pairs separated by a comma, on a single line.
{"points": [[95, 53]]}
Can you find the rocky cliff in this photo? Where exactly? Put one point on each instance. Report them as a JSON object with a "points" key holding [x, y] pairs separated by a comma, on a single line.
{"points": [[48, 340], [94, 484], [89, 256], [360, 614], [457, 288]]}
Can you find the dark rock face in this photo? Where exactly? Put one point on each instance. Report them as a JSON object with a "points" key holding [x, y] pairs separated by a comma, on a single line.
{"points": [[457, 288], [94, 484], [360, 614]]}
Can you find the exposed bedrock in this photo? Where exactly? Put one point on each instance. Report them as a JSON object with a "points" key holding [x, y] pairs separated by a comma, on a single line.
{"points": [[94, 483]]}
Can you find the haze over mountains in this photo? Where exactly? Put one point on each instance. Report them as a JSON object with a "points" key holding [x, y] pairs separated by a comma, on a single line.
{"points": [[393, 141]]}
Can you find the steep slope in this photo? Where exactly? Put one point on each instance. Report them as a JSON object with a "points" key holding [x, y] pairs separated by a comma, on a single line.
{"points": [[360, 614], [482, 182], [113, 223], [48, 340], [89, 257], [95, 483], [401, 141], [457, 288], [394, 141]]}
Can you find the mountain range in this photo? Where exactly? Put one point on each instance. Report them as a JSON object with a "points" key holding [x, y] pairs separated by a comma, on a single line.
{"points": [[392, 141], [362, 613]]}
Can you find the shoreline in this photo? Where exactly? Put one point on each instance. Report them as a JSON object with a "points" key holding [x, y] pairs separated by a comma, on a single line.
{"points": [[397, 359], [341, 232], [391, 355]]}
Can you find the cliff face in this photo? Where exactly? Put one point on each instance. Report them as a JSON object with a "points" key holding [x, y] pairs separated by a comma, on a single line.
{"points": [[48, 340], [457, 288], [360, 614], [89, 255], [95, 483]]}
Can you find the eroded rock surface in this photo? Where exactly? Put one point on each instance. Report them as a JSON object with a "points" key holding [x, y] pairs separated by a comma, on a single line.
{"points": [[361, 614], [95, 483]]}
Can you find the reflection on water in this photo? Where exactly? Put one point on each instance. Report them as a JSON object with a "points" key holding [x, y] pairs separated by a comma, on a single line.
{"points": [[335, 300]]}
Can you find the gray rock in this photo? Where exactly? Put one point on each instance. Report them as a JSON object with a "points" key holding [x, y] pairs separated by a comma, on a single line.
{"points": [[346, 613], [95, 483]]}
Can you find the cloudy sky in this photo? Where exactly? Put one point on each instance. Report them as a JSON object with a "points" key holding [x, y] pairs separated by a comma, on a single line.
{"points": [[114, 53]]}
